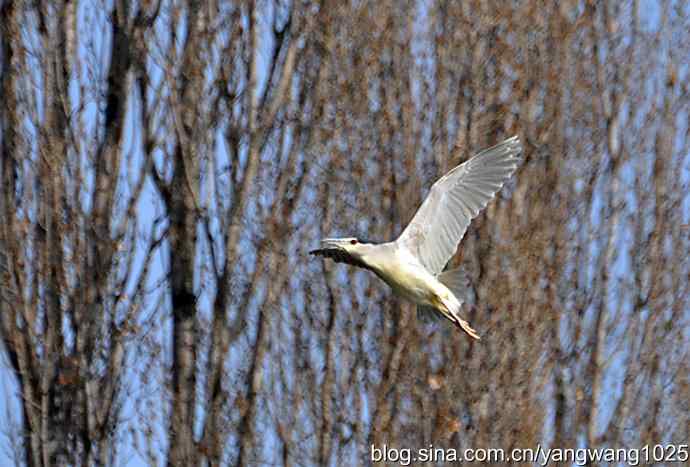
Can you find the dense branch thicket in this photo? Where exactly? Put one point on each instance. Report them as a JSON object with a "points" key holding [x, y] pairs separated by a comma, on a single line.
{"points": [[165, 166]]}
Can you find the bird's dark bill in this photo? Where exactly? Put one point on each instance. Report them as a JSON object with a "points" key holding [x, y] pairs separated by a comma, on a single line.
{"points": [[339, 256]]}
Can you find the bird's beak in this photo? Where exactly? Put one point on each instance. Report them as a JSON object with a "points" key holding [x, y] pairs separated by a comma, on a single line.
{"points": [[333, 243], [330, 244]]}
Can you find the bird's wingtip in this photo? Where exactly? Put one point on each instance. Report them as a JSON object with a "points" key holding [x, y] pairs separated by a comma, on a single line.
{"points": [[513, 141]]}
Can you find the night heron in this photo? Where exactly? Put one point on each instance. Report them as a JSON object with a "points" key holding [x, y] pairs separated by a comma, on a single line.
{"points": [[413, 264]]}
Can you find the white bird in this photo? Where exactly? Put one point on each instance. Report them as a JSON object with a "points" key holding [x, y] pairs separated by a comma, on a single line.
{"points": [[413, 264]]}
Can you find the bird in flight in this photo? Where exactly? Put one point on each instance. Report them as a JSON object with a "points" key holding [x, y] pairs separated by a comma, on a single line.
{"points": [[413, 264]]}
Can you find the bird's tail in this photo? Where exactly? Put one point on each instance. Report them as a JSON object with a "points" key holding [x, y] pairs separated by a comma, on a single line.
{"points": [[458, 283]]}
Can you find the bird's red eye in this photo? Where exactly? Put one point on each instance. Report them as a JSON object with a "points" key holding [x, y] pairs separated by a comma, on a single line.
{"points": [[353, 242]]}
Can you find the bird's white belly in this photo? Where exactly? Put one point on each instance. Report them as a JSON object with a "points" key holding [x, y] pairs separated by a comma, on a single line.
{"points": [[413, 283]]}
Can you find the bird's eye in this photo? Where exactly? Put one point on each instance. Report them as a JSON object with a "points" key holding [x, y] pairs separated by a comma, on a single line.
{"points": [[353, 242]]}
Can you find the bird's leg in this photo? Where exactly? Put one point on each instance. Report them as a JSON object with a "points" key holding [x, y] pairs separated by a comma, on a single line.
{"points": [[465, 326], [453, 316]]}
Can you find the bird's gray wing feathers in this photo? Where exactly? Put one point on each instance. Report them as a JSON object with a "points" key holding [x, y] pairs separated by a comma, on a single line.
{"points": [[428, 314], [454, 200]]}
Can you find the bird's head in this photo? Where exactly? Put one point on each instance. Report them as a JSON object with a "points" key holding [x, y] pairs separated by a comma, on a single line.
{"points": [[349, 250]]}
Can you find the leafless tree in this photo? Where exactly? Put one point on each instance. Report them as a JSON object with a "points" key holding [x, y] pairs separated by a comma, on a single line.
{"points": [[166, 165]]}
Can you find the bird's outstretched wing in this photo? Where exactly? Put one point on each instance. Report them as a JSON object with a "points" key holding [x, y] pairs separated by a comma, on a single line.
{"points": [[454, 200]]}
